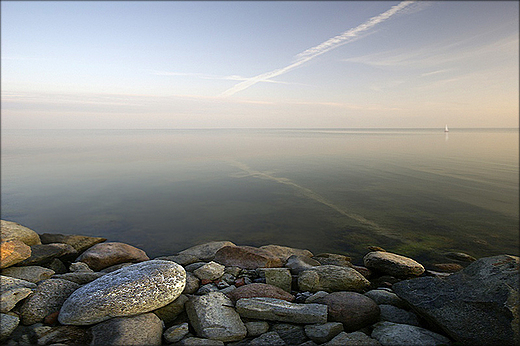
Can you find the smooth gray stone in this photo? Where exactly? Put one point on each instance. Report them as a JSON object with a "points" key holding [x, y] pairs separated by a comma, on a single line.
{"points": [[209, 271], [280, 310], [330, 278], [213, 317], [389, 333], [46, 299], [13, 290], [145, 329], [475, 306], [321, 333], [8, 325], [206, 252], [131, 290], [256, 328]]}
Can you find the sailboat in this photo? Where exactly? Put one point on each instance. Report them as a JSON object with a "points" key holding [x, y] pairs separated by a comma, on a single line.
{"points": [[446, 128]]}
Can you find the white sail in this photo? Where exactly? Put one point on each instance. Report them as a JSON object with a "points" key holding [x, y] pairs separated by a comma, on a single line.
{"points": [[446, 128]]}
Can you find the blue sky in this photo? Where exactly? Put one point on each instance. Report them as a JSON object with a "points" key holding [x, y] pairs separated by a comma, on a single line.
{"points": [[183, 64]]}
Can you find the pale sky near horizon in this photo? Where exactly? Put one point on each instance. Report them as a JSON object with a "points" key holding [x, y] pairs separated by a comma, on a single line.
{"points": [[268, 64]]}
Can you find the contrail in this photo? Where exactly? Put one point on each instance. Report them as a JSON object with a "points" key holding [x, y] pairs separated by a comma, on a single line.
{"points": [[324, 47], [312, 195]]}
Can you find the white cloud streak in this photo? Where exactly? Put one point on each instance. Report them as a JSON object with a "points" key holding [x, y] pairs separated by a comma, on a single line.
{"points": [[311, 53]]}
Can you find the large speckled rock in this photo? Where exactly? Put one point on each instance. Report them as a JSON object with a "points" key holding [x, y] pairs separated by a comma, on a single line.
{"points": [[331, 278], [284, 252], [46, 299], [478, 305], [78, 242], [247, 257], [280, 310], [104, 255], [145, 329], [29, 273], [13, 252], [213, 317], [392, 264], [389, 333], [131, 290], [13, 290], [14, 231], [205, 252]]}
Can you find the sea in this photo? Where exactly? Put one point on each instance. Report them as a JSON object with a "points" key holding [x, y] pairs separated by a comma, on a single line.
{"points": [[420, 193]]}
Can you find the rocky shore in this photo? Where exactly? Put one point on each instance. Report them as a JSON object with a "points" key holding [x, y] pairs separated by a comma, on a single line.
{"points": [[78, 290]]}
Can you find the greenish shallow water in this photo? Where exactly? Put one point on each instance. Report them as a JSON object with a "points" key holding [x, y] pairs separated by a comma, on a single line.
{"points": [[415, 192]]}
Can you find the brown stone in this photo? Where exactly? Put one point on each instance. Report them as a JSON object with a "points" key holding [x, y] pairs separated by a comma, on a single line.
{"points": [[284, 252], [333, 259], [247, 257], [259, 290], [447, 267], [352, 309], [14, 231], [13, 252], [51, 319], [104, 255]]}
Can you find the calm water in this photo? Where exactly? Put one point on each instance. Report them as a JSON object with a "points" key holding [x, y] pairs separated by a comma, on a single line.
{"points": [[414, 192]]}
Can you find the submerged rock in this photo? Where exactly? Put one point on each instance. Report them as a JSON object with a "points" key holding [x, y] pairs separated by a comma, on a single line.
{"points": [[475, 306], [131, 290]]}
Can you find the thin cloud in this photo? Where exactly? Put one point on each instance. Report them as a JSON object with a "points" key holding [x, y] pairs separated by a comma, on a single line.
{"points": [[311, 53], [210, 76]]}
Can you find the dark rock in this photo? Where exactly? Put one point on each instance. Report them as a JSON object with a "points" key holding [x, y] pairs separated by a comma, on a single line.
{"points": [[394, 314], [321, 333], [292, 334], [447, 267], [78, 242], [475, 306], [382, 296], [144, 329], [68, 335], [297, 264], [171, 311], [460, 256], [354, 339], [352, 309], [247, 257], [389, 333], [259, 290], [270, 338], [43, 254]]}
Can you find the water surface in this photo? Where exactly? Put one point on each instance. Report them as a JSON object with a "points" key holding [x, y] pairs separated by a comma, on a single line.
{"points": [[417, 192]]}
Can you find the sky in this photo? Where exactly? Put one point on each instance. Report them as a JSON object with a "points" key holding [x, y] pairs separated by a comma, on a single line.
{"points": [[259, 64]]}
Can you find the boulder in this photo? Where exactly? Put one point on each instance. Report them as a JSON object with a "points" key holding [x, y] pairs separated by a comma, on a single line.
{"points": [[104, 255], [62, 335], [132, 290], [297, 264], [279, 277], [213, 317], [13, 290], [176, 333], [352, 309], [280, 310], [42, 254], [259, 290], [284, 252], [144, 329], [269, 338], [13, 252], [256, 328], [392, 264], [476, 306], [46, 299], [384, 296], [353, 339], [80, 267], [210, 271], [192, 284], [389, 333], [247, 257], [8, 325], [333, 259], [205, 252], [332, 278], [394, 314], [29, 273], [14, 231], [292, 334], [170, 312], [321, 333], [78, 242]]}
